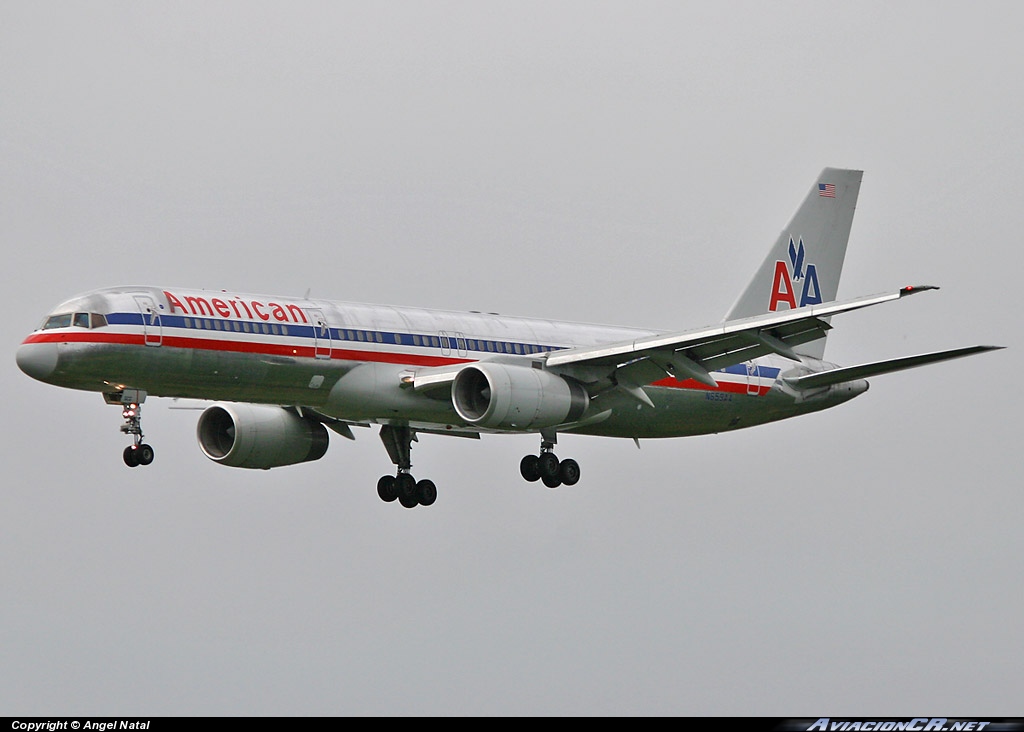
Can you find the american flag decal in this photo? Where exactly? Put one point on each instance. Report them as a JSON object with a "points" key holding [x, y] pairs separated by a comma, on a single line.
{"points": [[826, 190]]}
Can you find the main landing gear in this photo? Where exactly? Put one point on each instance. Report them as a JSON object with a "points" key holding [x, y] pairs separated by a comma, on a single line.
{"points": [[138, 453], [547, 468], [410, 493]]}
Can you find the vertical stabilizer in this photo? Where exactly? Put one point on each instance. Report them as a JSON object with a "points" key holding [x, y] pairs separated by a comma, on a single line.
{"points": [[804, 265]]}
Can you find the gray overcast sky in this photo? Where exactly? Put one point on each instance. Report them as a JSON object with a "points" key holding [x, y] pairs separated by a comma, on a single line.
{"points": [[601, 161]]}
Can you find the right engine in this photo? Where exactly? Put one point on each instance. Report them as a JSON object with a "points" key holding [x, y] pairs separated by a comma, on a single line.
{"points": [[516, 397], [258, 436]]}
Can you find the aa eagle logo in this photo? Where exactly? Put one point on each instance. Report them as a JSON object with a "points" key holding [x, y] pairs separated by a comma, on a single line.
{"points": [[789, 274]]}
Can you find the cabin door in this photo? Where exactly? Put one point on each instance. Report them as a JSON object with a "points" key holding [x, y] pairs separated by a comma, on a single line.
{"points": [[152, 330], [322, 343]]}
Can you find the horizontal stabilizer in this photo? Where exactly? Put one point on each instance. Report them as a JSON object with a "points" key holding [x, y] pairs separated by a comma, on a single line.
{"points": [[849, 373]]}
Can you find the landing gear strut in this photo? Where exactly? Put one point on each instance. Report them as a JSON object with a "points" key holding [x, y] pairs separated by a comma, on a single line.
{"points": [[410, 493], [547, 468], [138, 453]]}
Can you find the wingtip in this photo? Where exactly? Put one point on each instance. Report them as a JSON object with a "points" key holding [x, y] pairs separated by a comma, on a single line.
{"points": [[914, 289]]}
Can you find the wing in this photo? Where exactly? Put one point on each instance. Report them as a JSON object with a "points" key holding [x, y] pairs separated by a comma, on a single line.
{"points": [[695, 354]]}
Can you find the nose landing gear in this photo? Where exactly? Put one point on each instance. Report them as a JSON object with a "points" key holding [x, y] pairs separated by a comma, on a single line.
{"points": [[138, 453]]}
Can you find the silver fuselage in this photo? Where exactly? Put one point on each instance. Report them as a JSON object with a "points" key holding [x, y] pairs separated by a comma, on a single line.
{"points": [[351, 361]]}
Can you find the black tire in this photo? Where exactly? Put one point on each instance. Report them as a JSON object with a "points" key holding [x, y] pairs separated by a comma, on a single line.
{"points": [[547, 464], [145, 454], [386, 488], [406, 486], [131, 456], [569, 472], [552, 481], [529, 468], [426, 491], [409, 501]]}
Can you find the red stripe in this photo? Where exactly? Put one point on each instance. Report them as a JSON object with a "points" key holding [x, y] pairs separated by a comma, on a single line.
{"points": [[269, 349], [337, 354], [728, 386]]}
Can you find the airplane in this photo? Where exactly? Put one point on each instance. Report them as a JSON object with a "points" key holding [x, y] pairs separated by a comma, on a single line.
{"points": [[282, 371]]}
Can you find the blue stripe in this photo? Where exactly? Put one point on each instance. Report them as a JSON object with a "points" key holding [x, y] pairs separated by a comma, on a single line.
{"points": [[338, 335], [369, 337], [740, 369]]}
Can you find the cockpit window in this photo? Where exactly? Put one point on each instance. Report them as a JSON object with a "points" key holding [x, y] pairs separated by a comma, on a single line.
{"points": [[57, 321], [79, 320]]}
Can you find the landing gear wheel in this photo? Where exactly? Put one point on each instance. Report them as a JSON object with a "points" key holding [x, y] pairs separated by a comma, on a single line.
{"points": [[426, 492], [551, 481], [131, 456], [145, 454], [409, 501], [547, 465], [386, 488], [529, 468], [406, 486], [569, 471]]}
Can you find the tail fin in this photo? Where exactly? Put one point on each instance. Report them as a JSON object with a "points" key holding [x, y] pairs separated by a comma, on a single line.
{"points": [[804, 266]]}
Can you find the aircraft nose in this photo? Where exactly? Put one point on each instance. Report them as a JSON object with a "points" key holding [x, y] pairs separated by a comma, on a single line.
{"points": [[38, 360]]}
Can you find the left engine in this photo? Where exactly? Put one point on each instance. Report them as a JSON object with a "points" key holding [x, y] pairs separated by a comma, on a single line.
{"points": [[257, 436]]}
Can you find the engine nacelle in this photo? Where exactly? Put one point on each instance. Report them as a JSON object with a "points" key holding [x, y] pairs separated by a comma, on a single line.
{"points": [[498, 396], [257, 436]]}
